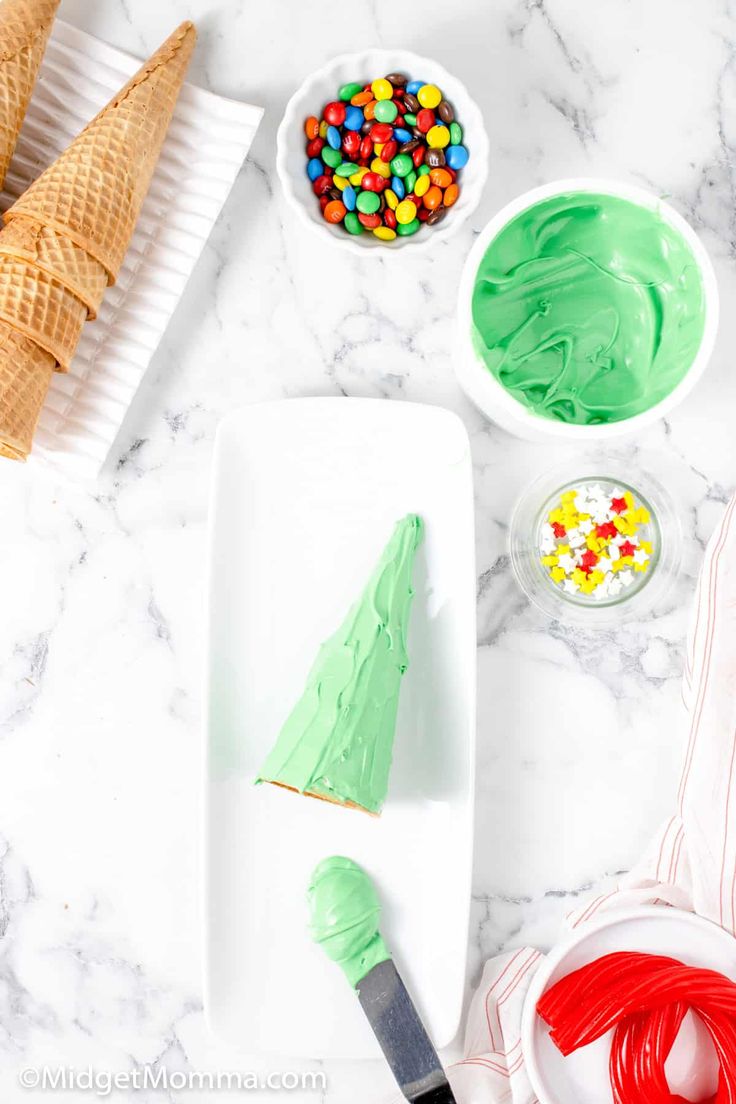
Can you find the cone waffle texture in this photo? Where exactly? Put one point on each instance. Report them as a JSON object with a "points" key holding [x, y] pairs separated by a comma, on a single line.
{"points": [[24, 30], [38, 306], [93, 192], [25, 374], [47, 249]]}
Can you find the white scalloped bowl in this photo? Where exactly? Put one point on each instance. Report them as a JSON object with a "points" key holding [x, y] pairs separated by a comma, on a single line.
{"points": [[320, 88]]}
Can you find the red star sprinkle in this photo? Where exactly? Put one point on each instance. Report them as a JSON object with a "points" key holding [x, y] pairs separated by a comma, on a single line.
{"points": [[627, 548], [608, 529], [619, 505], [558, 530], [588, 560]]}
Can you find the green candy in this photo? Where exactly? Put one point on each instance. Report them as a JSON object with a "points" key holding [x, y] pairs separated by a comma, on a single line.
{"points": [[352, 223], [331, 157], [456, 134], [401, 165], [386, 111], [410, 181], [405, 229], [423, 169], [346, 168], [347, 91], [367, 203], [410, 119]]}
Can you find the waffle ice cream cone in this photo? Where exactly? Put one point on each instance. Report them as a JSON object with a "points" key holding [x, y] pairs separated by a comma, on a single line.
{"points": [[47, 249], [24, 30], [65, 238], [25, 374], [93, 193]]}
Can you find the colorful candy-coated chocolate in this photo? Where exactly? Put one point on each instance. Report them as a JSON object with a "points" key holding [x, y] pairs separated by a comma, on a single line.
{"points": [[335, 211], [429, 95], [367, 202], [354, 118], [456, 156], [352, 223], [384, 156], [385, 111], [347, 91], [334, 113]]}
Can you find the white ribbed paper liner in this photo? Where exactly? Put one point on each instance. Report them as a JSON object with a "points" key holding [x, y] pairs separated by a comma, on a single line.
{"points": [[207, 143]]}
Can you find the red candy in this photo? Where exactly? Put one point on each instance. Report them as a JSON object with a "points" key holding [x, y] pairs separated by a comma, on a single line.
{"points": [[351, 143], [315, 147], [558, 530], [425, 119], [619, 505], [322, 184], [608, 529], [381, 132], [373, 182], [370, 221], [418, 156], [389, 151], [366, 148], [334, 113], [389, 218], [589, 560], [626, 548]]}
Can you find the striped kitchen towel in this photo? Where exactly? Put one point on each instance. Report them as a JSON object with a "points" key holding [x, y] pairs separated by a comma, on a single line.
{"points": [[691, 863]]}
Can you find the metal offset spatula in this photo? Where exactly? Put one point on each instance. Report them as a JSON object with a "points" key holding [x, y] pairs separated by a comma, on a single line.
{"points": [[345, 911], [406, 1045]]}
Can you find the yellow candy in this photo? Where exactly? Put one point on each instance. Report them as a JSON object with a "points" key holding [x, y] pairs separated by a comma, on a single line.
{"points": [[593, 542], [629, 498], [579, 576], [323, 128], [380, 167], [358, 175], [587, 587], [340, 182], [428, 95], [641, 566], [422, 185], [378, 147], [385, 233], [383, 90], [406, 212], [557, 574], [647, 546], [556, 516], [568, 496], [596, 577], [563, 549], [392, 200], [438, 136], [549, 561]]}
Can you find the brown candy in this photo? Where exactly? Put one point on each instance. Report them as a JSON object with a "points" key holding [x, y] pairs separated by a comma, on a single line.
{"points": [[398, 80], [436, 216], [435, 158], [411, 103], [410, 146], [446, 112]]}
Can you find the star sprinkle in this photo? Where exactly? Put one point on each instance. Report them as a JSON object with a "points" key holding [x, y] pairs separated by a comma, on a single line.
{"points": [[594, 542]]}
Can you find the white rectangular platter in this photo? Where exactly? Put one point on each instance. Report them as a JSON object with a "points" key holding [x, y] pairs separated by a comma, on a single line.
{"points": [[204, 150], [306, 493]]}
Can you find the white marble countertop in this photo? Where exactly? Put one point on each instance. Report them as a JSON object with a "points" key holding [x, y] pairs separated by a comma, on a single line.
{"points": [[101, 617]]}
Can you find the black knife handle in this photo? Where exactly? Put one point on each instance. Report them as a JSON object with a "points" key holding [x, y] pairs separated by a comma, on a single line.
{"points": [[442, 1094]]}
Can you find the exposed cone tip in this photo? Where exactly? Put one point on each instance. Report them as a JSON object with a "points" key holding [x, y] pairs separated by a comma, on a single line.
{"points": [[21, 21]]}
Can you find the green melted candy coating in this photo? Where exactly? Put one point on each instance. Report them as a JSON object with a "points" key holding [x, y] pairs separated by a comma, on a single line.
{"points": [[337, 743], [344, 917], [588, 308]]}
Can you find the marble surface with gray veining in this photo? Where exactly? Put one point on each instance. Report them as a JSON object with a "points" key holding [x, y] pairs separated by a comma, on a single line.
{"points": [[101, 609]]}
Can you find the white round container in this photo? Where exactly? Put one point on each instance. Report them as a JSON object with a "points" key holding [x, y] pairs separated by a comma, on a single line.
{"points": [[496, 402], [320, 88]]}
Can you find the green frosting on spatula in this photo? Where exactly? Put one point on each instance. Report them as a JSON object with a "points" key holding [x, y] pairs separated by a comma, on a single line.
{"points": [[344, 917]]}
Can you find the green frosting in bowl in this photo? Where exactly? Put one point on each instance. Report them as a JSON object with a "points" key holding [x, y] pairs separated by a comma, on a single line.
{"points": [[344, 917], [588, 308]]}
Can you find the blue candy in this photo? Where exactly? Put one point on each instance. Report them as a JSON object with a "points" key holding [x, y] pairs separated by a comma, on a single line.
{"points": [[413, 87], [456, 157], [349, 197], [354, 118], [334, 138], [314, 168], [397, 187], [402, 135]]}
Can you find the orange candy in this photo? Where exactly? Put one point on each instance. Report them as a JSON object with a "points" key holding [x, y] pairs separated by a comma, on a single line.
{"points": [[440, 177], [311, 127], [432, 198], [360, 99], [370, 109], [451, 195], [335, 211]]}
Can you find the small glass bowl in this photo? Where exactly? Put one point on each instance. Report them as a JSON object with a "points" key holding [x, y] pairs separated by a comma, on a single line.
{"points": [[645, 590]]}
